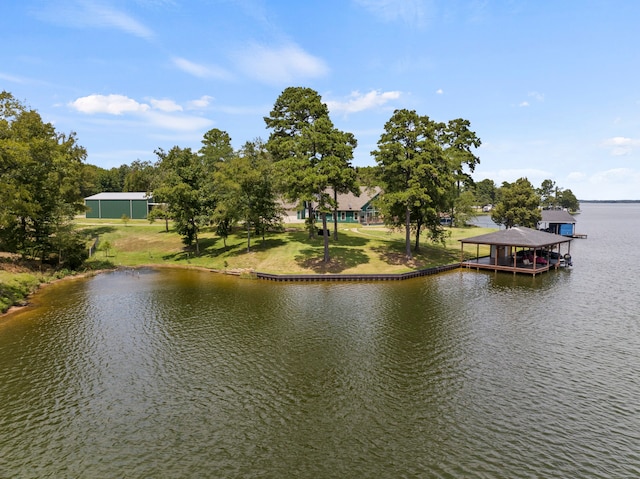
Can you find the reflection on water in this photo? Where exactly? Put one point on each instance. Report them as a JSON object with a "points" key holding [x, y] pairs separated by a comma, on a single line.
{"points": [[466, 374]]}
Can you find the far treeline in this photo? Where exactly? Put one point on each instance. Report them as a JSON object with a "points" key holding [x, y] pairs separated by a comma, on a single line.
{"points": [[423, 168]]}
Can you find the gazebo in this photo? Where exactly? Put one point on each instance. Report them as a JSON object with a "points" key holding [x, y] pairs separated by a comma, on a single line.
{"points": [[519, 250]]}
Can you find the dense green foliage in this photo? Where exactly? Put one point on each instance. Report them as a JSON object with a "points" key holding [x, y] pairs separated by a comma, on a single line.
{"points": [[553, 197], [16, 289], [182, 181], [246, 193], [40, 174], [520, 205], [459, 142], [485, 192], [421, 168]]}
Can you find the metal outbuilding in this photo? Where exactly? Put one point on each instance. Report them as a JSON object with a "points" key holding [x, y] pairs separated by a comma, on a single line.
{"points": [[135, 205]]}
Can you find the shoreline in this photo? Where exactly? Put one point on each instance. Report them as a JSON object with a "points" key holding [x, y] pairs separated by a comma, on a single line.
{"points": [[25, 301], [238, 273]]}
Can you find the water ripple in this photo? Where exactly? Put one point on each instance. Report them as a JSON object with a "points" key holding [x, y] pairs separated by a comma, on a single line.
{"points": [[188, 374]]}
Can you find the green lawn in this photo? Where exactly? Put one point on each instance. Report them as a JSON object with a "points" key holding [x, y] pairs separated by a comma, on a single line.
{"points": [[360, 249]]}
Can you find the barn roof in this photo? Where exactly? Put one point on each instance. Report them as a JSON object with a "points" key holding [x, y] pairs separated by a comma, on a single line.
{"points": [[518, 236], [119, 196]]}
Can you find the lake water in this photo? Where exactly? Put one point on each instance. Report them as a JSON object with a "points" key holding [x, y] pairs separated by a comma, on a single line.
{"points": [[465, 374]]}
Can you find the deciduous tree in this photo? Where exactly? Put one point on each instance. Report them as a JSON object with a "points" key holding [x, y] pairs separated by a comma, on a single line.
{"points": [[566, 199], [139, 177], [548, 194], [519, 205], [40, 174], [246, 192], [485, 192], [181, 185]]}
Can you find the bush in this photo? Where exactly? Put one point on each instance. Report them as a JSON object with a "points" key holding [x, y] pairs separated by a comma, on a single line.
{"points": [[16, 290]]}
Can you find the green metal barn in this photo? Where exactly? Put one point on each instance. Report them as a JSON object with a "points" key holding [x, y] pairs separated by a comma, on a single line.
{"points": [[115, 205]]}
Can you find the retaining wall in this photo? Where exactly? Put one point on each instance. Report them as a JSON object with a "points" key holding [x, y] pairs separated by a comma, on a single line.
{"points": [[357, 277]]}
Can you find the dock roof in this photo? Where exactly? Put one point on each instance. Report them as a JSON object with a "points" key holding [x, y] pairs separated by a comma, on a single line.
{"points": [[557, 216], [518, 236]]}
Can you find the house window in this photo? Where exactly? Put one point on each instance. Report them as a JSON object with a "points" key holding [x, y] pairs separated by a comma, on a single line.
{"points": [[343, 215], [356, 216]]}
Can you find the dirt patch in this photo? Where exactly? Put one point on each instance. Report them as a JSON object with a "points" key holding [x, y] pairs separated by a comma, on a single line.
{"points": [[13, 263]]}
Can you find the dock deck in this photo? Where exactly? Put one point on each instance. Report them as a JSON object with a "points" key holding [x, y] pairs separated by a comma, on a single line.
{"points": [[532, 269]]}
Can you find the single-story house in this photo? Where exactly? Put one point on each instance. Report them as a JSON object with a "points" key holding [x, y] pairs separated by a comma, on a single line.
{"points": [[519, 250], [135, 205], [559, 222], [352, 208]]}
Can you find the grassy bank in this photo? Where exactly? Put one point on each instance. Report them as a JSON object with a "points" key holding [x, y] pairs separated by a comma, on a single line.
{"points": [[20, 278], [359, 250]]}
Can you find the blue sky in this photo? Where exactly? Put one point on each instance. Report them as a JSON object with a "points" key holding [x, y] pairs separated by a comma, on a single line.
{"points": [[552, 88]]}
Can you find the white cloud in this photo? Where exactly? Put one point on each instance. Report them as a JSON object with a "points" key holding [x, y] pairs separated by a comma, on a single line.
{"points": [[179, 122], [90, 13], [202, 102], [412, 12], [280, 65], [165, 114], [109, 17], [576, 176], [612, 184], [360, 102], [111, 104], [536, 96], [199, 70], [11, 78], [615, 175], [620, 146], [255, 111], [439, 91], [165, 105]]}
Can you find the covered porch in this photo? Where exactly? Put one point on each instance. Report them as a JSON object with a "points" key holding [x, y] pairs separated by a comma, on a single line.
{"points": [[519, 250]]}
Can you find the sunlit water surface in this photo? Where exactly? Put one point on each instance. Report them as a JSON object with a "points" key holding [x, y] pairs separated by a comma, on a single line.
{"points": [[465, 374]]}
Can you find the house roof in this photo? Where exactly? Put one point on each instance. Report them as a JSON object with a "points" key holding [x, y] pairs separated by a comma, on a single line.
{"points": [[518, 236], [557, 216], [119, 196], [351, 202]]}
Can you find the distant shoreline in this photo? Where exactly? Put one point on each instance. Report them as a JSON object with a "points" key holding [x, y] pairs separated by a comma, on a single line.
{"points": [[609, 201]]}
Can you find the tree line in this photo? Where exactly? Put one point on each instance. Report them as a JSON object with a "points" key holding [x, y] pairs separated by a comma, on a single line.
{"points": [[422, 166], [40, 177]]}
